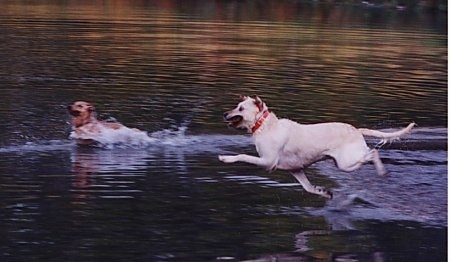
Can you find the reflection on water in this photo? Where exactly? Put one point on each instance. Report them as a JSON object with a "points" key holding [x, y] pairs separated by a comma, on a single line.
{"points": [[102, 173], [99, 198], [171, 68]]}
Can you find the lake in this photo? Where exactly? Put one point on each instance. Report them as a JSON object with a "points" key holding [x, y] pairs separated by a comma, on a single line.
{"points": [[171, 68]]}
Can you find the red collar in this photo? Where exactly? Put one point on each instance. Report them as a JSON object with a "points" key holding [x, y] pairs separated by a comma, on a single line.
{"points": [[260, 121]]}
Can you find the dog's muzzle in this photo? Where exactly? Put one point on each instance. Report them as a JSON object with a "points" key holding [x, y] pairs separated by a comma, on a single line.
{"points": [[72, 112], [232, 121]]}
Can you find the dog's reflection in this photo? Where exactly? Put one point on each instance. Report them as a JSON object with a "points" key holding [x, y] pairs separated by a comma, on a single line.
{"points": [[324, 245], [96, 171], [334, 240]]}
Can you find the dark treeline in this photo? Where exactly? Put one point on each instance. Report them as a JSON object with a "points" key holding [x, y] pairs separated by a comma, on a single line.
{"points": [[430, 5]]}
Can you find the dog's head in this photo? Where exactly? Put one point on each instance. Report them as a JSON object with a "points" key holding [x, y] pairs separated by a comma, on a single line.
{"points": [[82, 111], [246, 113]]}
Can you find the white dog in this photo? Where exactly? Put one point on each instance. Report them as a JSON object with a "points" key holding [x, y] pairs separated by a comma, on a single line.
{"points": [[287, 145]]}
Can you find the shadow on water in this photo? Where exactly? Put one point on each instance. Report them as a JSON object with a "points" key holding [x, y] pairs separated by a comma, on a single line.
{"points": [[171, 68]]}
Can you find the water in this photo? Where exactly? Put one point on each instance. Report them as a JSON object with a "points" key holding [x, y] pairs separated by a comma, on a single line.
{"points": [[171, 69]]}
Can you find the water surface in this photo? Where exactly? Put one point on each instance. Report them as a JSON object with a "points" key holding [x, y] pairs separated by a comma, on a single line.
{"points": [[171, 69]]}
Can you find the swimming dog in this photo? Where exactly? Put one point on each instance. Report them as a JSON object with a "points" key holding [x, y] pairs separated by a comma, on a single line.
{"points": [[87, 127], [287, 145]]}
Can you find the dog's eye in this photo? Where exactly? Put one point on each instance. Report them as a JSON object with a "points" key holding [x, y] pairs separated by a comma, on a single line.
{"points": [[241, 109]]}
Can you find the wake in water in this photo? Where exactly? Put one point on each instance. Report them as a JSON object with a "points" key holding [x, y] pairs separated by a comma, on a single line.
{"points": [[88, 130], [125, 137], [107, 137], [128, 138]]}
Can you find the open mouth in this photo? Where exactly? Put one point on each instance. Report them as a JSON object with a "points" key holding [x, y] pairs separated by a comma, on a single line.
{"points": [[234, 121], [73, 112]]}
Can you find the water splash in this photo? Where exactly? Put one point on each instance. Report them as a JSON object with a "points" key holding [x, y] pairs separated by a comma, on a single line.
{"points": [[125, 137], [110, 138]]}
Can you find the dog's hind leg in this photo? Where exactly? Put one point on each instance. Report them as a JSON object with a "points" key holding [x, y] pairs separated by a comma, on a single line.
{"points": [[375, 158], [318, 190], [348, 163]]}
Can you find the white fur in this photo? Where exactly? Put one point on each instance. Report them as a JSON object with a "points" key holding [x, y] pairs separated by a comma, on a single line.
{"points": [[287, 145]]}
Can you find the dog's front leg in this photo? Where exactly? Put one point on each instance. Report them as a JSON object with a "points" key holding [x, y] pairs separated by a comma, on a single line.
{"points": [[267, 162]]}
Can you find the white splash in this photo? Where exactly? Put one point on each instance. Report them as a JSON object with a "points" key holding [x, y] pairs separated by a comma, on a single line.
{"points": [[121, 137]]}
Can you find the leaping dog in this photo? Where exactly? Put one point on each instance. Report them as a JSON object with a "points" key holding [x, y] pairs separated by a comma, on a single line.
{"points": [[287, 145]]}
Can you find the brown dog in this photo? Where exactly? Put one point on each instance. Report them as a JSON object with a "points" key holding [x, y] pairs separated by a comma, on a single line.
{"points": [[86, 125]]}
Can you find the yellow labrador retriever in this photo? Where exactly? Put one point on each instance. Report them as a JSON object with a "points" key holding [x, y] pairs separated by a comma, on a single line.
{"points": [[287, 145], [85, 123]]}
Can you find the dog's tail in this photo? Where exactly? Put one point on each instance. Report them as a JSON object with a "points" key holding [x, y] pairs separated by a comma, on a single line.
{"points": [[387, 137]]}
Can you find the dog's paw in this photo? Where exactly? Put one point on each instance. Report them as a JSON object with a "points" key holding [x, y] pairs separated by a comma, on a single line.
{"points": [[227, 159], [323, 192]]}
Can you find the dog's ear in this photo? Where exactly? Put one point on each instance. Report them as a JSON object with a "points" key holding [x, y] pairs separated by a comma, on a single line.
{"points": [[259, 103], [242, 98]]}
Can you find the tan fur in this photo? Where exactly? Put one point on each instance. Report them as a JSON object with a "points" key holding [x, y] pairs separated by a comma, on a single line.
{"points": [[85, 122]]}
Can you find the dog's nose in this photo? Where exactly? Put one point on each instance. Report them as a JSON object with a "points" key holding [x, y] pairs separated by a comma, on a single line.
{"points": [[225, 115]]}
